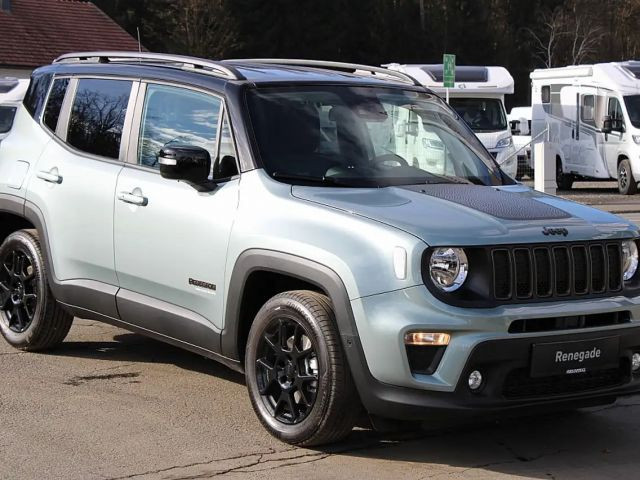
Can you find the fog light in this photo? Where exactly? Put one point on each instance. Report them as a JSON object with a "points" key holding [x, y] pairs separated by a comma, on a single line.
{"points": [[475, 380], [635, 362], [427, 338]]}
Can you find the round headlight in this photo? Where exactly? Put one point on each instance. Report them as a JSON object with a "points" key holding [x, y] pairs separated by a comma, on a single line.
{"points": [[629, 259], [448, 268]]}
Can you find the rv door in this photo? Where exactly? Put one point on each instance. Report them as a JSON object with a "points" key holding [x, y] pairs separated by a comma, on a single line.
{"points": [[612, 142], [588, 159]]}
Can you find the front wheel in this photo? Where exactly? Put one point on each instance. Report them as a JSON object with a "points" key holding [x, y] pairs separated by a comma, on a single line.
{"points": [[297, 375], [627, 184], [564, 181], [30, 318]]}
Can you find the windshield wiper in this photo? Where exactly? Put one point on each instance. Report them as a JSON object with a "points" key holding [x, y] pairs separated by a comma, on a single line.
{"points": [[310, 179], [448, 179]]}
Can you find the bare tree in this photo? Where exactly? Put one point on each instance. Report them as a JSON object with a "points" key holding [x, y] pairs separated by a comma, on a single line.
{"points": [[553, 29]]}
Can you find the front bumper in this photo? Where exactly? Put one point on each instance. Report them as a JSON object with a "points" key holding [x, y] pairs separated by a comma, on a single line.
{"points": [[479, 340], [500, 360]]}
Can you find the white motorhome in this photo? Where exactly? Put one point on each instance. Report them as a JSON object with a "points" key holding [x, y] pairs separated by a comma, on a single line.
{"points": [[12, 92], [478, 97], [520, 122], [592, 113]]}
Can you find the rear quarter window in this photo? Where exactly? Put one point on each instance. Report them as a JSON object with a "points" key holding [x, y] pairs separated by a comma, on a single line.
{"points": [[54, 103], [37, 93]]}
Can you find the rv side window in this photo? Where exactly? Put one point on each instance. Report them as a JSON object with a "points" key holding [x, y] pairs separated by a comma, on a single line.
{"points": [[587, 112], [546, 94]]}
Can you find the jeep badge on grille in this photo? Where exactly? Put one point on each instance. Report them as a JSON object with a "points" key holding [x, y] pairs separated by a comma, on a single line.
{"points": [[555, 231]]}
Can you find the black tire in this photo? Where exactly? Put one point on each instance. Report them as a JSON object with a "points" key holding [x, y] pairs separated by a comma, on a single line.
{"points": [[627, 184], [564, 181], [299, 317], [30, 317]]}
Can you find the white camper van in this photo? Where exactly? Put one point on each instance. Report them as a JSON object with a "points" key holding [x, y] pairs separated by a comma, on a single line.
{"points": [[478, 97], [593, 116], [520, 122], [12, 92]]}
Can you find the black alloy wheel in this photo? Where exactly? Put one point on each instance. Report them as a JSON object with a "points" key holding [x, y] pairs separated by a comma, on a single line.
{"points": [[18, 290], [287, 370], [298, 379], [30, 317]]}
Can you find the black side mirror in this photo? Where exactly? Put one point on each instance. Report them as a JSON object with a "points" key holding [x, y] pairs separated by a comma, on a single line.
{"points": [[187, 163], [515, 127], [607, 124]]}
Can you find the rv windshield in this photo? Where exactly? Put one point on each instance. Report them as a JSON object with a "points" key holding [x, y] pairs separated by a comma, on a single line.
{"points": [[482, 114], [345, 136], [6, 118], [633, 109]]}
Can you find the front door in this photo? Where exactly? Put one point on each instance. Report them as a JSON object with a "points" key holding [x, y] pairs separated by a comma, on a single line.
{"points": [[171, 240]]}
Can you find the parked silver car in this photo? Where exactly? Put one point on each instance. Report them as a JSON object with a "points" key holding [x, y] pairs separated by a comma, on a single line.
{"points": [[263, 213]]}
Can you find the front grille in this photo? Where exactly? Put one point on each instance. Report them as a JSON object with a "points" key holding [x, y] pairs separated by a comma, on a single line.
{"points": [[532, 325], [518, 383], [556, 271]]}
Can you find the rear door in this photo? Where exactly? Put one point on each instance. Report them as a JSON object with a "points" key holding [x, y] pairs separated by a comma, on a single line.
{"points": [[75, 178], [171, 240]]}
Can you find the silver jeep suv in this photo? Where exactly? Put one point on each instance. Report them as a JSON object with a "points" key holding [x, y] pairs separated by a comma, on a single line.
{"points": [[334, 231]]}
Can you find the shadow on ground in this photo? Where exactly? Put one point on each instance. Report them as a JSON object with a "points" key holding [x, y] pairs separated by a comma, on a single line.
{"points": [[537, 447]]}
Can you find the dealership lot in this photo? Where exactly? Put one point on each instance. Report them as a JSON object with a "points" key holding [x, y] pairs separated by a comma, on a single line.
{"points": [[110, 404]]}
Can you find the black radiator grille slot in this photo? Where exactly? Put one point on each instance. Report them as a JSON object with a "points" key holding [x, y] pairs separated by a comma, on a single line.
{"points": [[556, 271], [518, 383], [533, 325]]}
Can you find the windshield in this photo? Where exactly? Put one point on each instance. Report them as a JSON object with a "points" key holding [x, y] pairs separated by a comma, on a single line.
{"points": [[633, 109], [363, 136], [6, 118], [482, 114]]}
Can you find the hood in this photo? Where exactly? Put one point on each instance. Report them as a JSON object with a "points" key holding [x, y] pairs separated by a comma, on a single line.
{"points": [[491, 139], [456, 214]]}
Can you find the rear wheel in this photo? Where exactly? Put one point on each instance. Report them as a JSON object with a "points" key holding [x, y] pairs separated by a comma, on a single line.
{"points": [[627, 184], [30, 318], [297, 375], [564, 181]]}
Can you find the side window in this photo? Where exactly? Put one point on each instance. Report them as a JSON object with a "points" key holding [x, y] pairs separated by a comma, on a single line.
{"points": [[546, 94], [225, 164], [614, 110], [54, 103], [37, 93], [587, 110], [97, 116], [7, 113], [180, 116]]}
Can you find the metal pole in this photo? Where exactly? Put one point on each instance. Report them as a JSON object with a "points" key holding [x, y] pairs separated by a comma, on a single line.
{"points": [[447, 95]]}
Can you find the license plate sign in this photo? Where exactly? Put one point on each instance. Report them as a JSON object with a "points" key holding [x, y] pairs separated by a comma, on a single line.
{"points": [[568, 358]]}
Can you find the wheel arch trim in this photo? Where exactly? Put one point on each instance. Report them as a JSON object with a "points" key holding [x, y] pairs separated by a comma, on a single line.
{"points": [[254, 260]]}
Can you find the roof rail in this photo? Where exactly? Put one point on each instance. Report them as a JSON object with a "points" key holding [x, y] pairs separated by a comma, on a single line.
{"points": [[209, 67], [354, 67]]}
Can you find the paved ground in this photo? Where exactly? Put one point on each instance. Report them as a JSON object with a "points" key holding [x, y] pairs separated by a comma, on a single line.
{"points": [[113, 405]]}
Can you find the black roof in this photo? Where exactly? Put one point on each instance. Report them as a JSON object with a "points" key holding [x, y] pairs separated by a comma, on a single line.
{"points": [[254, 73]]}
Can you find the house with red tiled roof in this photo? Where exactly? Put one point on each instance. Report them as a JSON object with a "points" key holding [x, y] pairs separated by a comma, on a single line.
{"points": [[34, 32]]}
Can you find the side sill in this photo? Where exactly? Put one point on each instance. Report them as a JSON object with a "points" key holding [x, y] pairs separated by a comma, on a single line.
{"points": [[91, 315]]}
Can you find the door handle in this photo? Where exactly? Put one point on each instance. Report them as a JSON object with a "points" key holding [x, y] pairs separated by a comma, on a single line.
{"points": [[127, 197], [49, 177]]}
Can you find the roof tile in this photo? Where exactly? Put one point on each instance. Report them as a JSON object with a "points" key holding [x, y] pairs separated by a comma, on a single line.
{"points": [[35, 32]]}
